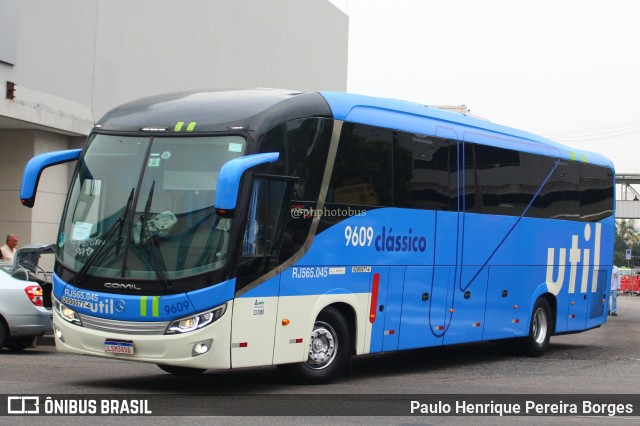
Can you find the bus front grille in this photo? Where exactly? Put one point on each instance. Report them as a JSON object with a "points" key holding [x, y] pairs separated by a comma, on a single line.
{"points": [[124, 327]]}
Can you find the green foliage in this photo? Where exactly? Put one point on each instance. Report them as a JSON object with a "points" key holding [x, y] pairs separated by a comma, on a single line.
{"points": [[626, 237]]}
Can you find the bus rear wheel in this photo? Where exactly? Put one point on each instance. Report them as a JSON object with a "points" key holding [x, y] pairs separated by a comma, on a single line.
{"points": [[181, 371], [330, 350], [540, 329]]}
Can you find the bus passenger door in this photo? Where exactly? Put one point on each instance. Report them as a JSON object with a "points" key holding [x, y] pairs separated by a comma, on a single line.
{"points": [[256, 305]]}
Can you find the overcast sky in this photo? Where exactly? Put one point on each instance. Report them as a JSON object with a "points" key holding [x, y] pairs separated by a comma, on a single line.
{"points": [[565, 69]]}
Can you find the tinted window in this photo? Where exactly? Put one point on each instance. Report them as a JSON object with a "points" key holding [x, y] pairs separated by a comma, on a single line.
{"points": [[303, 146], [421, 171], [507, 180], [596, 192], [380, 167], [559, 198], [465, 195], [363, 169]]}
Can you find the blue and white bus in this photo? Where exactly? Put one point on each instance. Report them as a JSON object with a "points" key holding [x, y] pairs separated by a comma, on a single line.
{"points": [[227, 229]]}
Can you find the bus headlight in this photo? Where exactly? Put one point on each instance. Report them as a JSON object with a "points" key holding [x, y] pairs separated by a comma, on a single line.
{"points": [[196, 322], [66, 312]]}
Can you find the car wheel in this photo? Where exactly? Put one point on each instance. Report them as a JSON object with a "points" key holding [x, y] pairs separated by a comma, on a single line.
{"points": [[329, 351], [4, 333], [20, 343], [181, 371]]}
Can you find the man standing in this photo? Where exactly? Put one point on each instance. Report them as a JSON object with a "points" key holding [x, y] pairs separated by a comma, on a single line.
{"points": [[615, 286], [9, 249]]}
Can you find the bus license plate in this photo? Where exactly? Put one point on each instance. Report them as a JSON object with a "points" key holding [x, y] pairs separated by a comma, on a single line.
{"points": [[119, 347]]}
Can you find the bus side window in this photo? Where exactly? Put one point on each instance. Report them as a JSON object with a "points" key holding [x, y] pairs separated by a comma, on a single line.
{"points": [[421, 173], [266, 216], [363, 169]]}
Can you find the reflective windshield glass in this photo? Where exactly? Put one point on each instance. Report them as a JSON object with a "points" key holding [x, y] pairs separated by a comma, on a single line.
{"points": [[143, 208]]}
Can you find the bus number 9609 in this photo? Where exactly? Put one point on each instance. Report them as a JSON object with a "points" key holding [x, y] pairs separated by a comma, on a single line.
{"points": [[358, 236]]}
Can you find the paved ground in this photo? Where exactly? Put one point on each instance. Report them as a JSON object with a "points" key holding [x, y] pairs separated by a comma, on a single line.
{"points": [[601, 361]]}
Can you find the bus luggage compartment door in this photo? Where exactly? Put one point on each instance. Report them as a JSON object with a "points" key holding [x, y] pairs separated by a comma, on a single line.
{"points": [[423, 318], [597, 301], [466, 314]]}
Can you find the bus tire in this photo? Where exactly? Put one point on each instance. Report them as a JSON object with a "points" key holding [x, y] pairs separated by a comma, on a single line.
{"points": [[181, 371], [540, 329], [330, 351]]}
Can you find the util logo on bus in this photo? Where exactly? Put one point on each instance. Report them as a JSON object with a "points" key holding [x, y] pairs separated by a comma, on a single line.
{"points": [[579, 263]]}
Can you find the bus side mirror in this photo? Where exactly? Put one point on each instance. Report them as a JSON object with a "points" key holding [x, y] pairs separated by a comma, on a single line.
{"points": [[36, 165], [230, 176]]}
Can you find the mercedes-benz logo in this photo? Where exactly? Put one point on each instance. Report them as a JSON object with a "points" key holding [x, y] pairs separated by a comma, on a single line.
{"points": [[120, 305]]}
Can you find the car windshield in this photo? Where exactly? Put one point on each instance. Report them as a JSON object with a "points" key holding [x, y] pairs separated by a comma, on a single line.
{"points": [[143, 207]]}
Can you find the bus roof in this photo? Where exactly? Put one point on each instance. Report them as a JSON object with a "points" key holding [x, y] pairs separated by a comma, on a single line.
{"points": [[257, 110], [253, 110], [413, 117]]}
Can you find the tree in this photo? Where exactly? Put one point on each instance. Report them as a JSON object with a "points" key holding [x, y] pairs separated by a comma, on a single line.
{"points": [[627, 237]]}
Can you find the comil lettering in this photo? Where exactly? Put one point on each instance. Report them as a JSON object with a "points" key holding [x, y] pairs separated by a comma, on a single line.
{"points": [[556, 264]]}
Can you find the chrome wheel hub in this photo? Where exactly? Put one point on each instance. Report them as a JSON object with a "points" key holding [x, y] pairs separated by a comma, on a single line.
{"points": [[540, 326], [323, 346]]}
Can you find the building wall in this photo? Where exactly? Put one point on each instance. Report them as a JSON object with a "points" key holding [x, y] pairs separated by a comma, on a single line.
{"points": [[39, 224], [17, 149], [289, 44], [101, 53], [76, 59]]}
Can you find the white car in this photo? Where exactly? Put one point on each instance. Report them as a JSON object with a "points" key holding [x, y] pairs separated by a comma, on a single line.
{"points": [[25, 298]]}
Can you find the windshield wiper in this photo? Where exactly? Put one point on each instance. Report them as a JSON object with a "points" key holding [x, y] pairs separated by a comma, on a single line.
{"points": [[102, 249], [147, 241], [155, 256], [126, 212]]}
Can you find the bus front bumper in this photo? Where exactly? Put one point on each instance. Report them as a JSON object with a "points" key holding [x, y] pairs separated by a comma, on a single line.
{"points": [[207, 348]]}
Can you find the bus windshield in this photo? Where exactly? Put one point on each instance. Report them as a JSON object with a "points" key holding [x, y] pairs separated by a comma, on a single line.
{"points": [[143, 207]]}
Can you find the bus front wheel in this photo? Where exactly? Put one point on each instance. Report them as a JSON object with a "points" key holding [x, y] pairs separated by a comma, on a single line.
{"points": [[540, 329], [329, 351]]}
